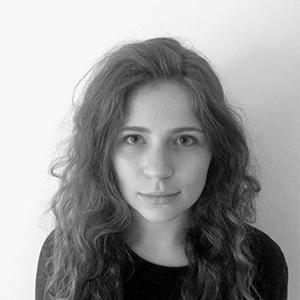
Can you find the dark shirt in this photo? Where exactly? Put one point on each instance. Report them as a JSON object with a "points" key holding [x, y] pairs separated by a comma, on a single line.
{"points": [[152, 281]]}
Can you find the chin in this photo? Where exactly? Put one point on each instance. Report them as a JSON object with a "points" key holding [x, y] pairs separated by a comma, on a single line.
{"points": [[158, 217]]}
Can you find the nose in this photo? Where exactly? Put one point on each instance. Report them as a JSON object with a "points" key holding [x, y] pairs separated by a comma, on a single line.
{"points": [[157, 163]]}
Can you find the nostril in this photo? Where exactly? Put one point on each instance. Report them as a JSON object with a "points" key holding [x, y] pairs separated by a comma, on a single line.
{"points": [[158, 172]]}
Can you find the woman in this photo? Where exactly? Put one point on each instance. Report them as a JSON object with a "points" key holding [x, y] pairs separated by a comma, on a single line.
{"points": [[156, 194]]}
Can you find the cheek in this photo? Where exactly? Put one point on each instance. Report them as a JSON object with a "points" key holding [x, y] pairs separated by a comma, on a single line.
{"points": [[125, 168], [196, 173]]}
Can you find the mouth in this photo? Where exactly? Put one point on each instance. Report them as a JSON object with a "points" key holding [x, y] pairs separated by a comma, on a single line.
{"points": [[159, 199], [159, 194]]}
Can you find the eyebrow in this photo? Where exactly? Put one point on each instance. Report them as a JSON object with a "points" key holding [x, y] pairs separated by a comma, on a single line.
{"points": [[175, 130]]}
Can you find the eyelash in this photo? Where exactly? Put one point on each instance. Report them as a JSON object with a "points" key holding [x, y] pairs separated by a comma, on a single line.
{"points": [[195, 141]]}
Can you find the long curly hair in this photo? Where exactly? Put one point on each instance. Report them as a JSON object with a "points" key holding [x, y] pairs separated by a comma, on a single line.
{"points": [[88, 247]]}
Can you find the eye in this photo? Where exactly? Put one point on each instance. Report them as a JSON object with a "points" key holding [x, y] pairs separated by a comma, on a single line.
{"points": [[132, 139], [186, 140]]}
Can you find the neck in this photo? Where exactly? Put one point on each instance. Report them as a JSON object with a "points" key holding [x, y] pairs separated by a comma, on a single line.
{"points": [[160, 242]]}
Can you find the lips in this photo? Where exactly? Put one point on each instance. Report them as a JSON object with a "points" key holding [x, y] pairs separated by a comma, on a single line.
{"points": [[159, 199], [159, 194]]}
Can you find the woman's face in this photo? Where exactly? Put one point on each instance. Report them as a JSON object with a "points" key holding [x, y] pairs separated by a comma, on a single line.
{"points": [[161, 149]]}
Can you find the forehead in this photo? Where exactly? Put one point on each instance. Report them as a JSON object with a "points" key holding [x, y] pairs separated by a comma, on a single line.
{"points": [[160, 104]]}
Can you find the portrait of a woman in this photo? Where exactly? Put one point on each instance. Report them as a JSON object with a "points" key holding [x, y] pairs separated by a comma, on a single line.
{"points": [[157, 189]]}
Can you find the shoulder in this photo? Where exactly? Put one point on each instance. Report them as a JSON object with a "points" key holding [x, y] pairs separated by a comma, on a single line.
{"points": [[41, 276], [271, 268], [48, 244], [264, 248], [46, 250]]}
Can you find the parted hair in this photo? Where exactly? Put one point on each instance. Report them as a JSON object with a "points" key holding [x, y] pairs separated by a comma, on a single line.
{"points": [[88, 252]]}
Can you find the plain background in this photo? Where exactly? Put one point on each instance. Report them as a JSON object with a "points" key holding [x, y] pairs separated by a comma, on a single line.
{"points": [[47, 46]]}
